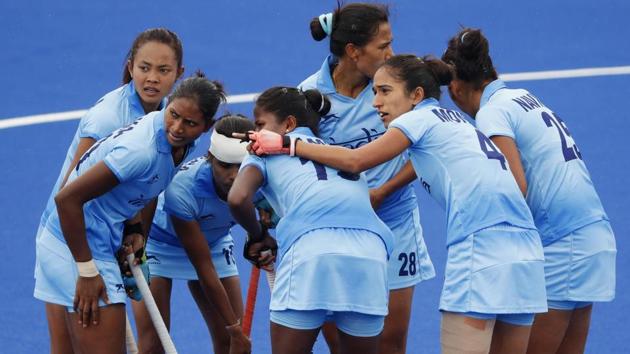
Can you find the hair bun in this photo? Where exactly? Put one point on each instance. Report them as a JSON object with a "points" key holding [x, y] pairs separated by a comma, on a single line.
{"points": [[442, 72], [318, 101], [473, 45], [317, 31]]}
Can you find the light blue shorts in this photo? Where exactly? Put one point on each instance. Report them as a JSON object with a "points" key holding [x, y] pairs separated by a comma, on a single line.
{"points": [[581, 266], [56, 274], [171, 261], [333, 269], [517, 319], [353, 323], [498, 270], [409, 263]]}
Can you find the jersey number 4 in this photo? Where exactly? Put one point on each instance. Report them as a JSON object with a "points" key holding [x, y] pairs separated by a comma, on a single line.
{"points": [[569, 152], [491, 151]]}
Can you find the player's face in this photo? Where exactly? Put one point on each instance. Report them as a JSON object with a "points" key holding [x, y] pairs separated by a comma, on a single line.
{"points": [[391, 98], [184, 122], [371, 56], [154, 71], [223, 174], [269, 121]]}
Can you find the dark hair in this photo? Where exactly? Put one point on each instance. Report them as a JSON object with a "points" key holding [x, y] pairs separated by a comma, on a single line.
{"points": [[160, 35], [306, 106], [208, 94], [233, 123], [354, 23], [468, 51], [427, 72]]}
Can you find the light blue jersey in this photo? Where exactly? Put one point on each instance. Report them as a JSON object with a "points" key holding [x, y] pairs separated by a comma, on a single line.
{"points": [[560, 193], [115, 110], [191, 196], [462, 170], [308, 196], [353, 122], [139, 155]]}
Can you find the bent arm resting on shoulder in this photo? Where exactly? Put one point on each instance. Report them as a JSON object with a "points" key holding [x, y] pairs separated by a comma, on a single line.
{"points": [[383, 149], [240, 200], [197, 249], [95, 182], [508, 148]]}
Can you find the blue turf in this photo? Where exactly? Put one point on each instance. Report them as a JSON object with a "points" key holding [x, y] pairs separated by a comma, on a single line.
{"points": [[59, 56]]}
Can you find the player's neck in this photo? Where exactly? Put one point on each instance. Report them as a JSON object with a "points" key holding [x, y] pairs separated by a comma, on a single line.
{"points": [[348, 80]]}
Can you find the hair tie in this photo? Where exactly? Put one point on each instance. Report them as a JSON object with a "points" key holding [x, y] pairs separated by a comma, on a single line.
{"points": [[326, 20], [463, 36], [321, 106]]}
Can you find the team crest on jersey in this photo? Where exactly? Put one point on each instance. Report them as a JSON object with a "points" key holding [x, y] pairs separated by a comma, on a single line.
{"points": [[207, 217], [151, 259], [154, 179], [140, 201]]}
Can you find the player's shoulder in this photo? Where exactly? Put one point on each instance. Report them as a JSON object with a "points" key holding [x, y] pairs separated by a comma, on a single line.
{"points": [[311, 81]]}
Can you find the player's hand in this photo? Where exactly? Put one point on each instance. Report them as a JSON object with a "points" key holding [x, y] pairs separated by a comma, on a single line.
{"points": [[88, 291], [266, 142], [132, 243], [376, 198], [261, 253], [239, 343]]}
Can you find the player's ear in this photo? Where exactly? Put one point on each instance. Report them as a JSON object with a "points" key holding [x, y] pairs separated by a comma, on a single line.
{"points": [[291, 123], [417, 95], [130, 68]]}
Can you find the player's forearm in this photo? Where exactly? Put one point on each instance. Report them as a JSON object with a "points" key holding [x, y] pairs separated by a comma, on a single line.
{"points": [[199, 253], [334, 156], [405, 176], [243, 211], [72, 222]]}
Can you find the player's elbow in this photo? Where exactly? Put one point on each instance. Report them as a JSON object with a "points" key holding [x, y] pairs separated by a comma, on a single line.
{"points": [[355, 164], [237, 197]]}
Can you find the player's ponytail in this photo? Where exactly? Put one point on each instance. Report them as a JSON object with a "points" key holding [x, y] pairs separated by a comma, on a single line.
{"points": [[469, 52], [318, 102], [427, 72]]}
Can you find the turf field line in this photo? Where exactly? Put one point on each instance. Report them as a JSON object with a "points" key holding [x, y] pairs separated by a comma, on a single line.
{"points": [[249, 97]]}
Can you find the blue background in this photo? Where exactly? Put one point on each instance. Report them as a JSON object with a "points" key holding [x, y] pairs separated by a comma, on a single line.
{"points": [[61, 56]]}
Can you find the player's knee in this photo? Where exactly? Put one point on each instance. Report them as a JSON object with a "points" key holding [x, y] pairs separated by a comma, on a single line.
{"points": [[393, 341]]}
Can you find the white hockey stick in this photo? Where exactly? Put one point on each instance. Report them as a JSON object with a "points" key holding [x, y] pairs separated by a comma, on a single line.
{"points": [[156, 318]]}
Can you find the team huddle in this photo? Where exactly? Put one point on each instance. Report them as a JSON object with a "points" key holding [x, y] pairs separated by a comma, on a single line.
{"points": [[330, 165]]}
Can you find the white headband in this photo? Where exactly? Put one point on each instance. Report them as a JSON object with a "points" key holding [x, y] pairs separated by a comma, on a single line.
{"points": [[228, 150]]}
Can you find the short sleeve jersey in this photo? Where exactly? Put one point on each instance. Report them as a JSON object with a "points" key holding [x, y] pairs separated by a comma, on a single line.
{"points": [[308, 196], [462, 170], [560, 192], [139, 155], [353, 122], [115, 110], [191, 196]]}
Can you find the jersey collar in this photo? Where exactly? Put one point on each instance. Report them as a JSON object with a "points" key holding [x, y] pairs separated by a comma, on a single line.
{"points": [[425, 103], [490, 90], [302, 131]]}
